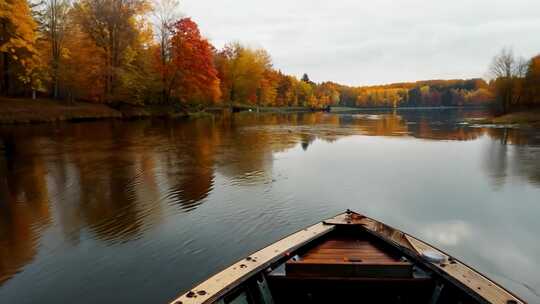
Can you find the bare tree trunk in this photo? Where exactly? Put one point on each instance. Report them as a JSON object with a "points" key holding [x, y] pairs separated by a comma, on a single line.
{"points": [[108, 85], [115, 57], [5, 74], [70, 97], [164, 95], [54, 43], [5, 63], [233, 93]]}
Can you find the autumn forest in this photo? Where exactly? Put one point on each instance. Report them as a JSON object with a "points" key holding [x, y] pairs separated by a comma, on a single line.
{"points": [[146, 145], [140, 52]]}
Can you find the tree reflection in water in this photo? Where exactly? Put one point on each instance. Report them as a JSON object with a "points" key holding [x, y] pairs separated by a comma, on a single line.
{"points": [[117, 179]]}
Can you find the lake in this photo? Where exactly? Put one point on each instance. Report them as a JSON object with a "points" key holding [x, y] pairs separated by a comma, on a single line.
{"points": [[139, 211]]}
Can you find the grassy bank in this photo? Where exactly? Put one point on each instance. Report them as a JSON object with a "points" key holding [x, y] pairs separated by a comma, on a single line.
{"points": [[44, 110], [20, 111], [239, 107], [529, 118]]}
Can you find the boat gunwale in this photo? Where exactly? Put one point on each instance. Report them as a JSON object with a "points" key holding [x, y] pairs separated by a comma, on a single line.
{"points": [[191, 296], [413, 253]]}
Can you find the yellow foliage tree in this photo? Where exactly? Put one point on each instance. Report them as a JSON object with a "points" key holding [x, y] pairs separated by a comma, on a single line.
{"points": [[113, 27], [81, 72], [17, 43]]}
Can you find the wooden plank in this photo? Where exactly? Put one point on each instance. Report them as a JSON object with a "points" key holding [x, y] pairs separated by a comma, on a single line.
{"points": [[369, 255], [344, 246], [350, 257], [350, 253], [344, 253], [347, 250], [467, 276], [216, 286], [322, 268], [389, 234], [338, 244]]}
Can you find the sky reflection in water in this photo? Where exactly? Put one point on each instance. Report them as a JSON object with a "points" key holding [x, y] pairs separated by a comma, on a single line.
{"points": [[139, 211]]}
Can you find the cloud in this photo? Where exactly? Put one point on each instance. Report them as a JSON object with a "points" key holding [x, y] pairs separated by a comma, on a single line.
{"points": [[449, 233], [359, 42]]}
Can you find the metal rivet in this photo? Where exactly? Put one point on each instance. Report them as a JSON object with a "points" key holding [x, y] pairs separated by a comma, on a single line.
{"points": [[201, 292], [191, 294]]}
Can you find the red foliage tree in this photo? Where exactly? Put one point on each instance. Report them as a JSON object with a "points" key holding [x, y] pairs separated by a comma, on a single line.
{"points": [[191, 69]]}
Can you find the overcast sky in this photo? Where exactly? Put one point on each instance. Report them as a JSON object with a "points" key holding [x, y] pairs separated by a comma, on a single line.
{"points": [[370, 42]]}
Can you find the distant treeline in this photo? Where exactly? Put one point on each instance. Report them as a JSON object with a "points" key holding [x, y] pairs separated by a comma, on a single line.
{"points": [[430, 93], [141, 52]]}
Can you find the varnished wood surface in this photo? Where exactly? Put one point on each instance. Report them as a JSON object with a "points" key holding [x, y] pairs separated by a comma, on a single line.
{"points": [[349, 250], [349, 257]]}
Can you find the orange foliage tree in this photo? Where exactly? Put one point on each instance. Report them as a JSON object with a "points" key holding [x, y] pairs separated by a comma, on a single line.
{"points": [[532, 82], [516, 81]]}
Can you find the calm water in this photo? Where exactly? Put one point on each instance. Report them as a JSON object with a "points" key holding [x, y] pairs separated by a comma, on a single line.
{"points": [[117, 212]]}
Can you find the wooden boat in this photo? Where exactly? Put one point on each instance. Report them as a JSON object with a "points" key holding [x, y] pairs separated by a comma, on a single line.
{"points": [[349, 258]]}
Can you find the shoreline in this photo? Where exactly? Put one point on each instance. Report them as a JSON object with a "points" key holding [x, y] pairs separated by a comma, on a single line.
{"points": [[524, 118], [340, 109], [14, 111]]}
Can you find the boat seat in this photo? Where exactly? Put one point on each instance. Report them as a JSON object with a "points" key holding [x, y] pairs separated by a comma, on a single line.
{"points": [[349, 258], [340, 269]]}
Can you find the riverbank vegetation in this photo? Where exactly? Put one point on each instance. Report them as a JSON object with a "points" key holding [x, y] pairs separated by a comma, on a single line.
{"points": [[516, 81], [141, 53], [25, 110], [515, 86]]}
